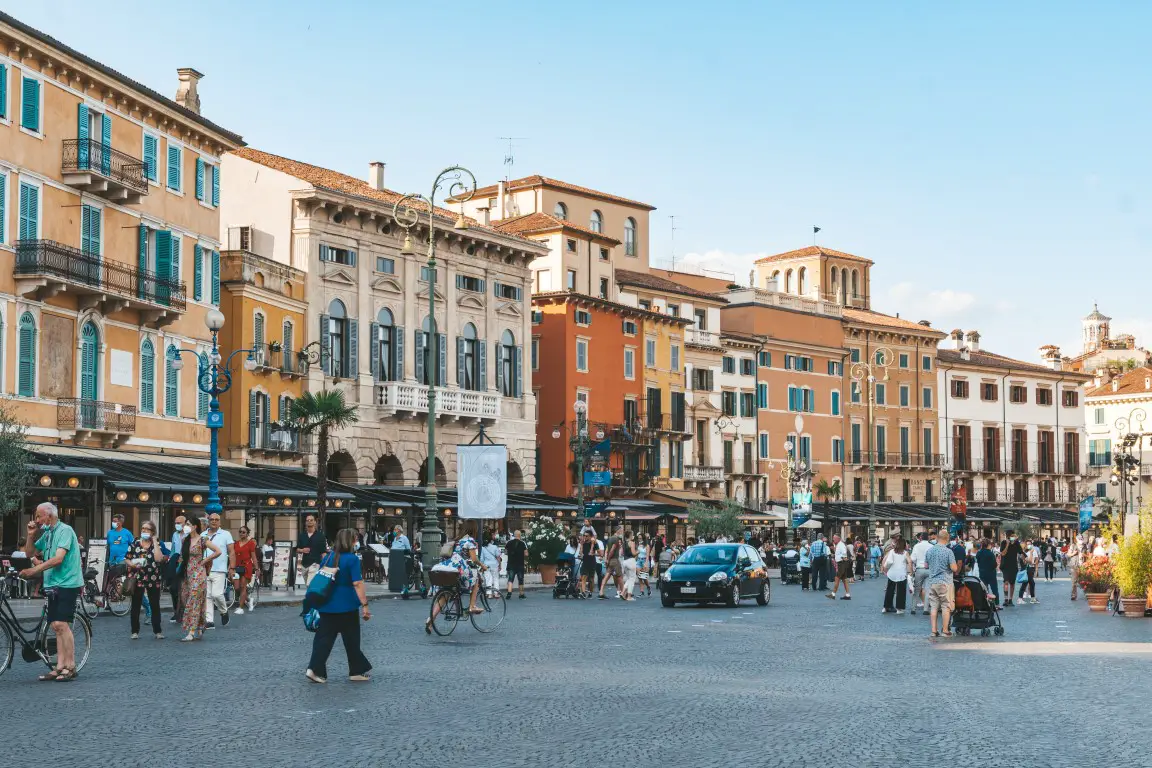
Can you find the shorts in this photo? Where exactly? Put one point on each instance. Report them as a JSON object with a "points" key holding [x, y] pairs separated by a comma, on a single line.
{"points": [[614, 565], [514, 574], [62, 604], [941, 596], [844, 569], [589, 568]]}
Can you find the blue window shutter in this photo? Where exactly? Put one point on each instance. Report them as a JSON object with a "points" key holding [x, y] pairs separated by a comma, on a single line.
{"points": [[201, 405], [420, 357], [517, 370], [374, 351], [216, 278], [199, 179], [159, 289], [3, 91], [175, 259], [150, 157], [30, 108], [170, 382], [460, 363], [26, 374], [258, 331], [173, 167], [442, 352], [29, 212], [3, 195], [325, 346], [197, 272], [215, 186], [105, 144], [147, 377], [499, 367], [82, 145], [398, 347], [141, 259], [353, 349], [253, 419], [482, 363]]}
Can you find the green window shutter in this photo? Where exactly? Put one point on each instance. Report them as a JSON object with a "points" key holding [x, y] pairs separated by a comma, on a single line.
{"points": [[105, 144], [398, 353], [216, 278], [173, 167], [499, 367], [3, 91], [26, 373], [159, 287], [141, 260], [442, 373], [175, 259], [29, 211], [286, 343], [258, 331], [460, 364], [171, 384], [215, 186], [353, 349], [150, 169], [147, 377], [325, 345], [197, 272], [201, 405], [420, 356], [482, 364], [374, 351], [517, 370], [3, 194], [199, 179], [253, 413], [82, 144], [30, 108]]}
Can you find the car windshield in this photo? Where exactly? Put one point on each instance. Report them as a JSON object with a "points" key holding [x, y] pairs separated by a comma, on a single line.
{"points": [[708, 556]]}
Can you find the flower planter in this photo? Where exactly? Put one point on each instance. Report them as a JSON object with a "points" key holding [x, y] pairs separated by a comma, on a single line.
{"points": [[1097, 601], [1133, 607], [547, 573]]}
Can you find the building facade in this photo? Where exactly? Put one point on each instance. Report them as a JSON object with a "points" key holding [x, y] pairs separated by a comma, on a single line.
{"points": [[1012, 432], [1118, 404], [367, 315]]}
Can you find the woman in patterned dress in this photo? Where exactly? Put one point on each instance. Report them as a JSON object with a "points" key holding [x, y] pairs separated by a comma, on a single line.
{"points": [[195, 590], [144, 562], [465, 558]]}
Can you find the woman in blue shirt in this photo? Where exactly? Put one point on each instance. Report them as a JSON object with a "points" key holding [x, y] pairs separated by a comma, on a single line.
{"points": [[341, 614]]}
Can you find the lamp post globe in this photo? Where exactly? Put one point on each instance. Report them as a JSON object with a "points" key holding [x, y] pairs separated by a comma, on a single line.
{"points": [[214, 319]]}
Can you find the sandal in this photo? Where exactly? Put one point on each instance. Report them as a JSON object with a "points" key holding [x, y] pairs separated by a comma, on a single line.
{"points": [[476, 611], [947, 634], [934, 634], [66, 675], [50, 677], [428, 627]]}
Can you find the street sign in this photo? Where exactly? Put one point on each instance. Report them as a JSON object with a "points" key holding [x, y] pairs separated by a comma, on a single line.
{"points": [[593, 508], [215, 420], [598, 478]]}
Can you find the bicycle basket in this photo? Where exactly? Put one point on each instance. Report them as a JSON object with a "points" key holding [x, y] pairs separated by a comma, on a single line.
{"points": [[444, 578]]}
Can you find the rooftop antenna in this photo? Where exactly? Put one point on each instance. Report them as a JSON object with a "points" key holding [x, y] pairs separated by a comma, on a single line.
{"points": [[673, 244], [510, 158]]}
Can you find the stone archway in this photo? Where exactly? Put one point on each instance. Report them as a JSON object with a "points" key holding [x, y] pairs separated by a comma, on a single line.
{"points": [[388, 471], [342, 468], [515, 476], [441, 474]]}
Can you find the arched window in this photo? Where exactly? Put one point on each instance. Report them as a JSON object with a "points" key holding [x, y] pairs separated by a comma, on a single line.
{"points": [[802, 281], [835, 275], [773, 283], [508, 365], [385, 346], [337, 335], [147, 377], [171, 382], [560, 211], [431, 357], [788, 281], [855, 283], [629, 236], [468, 346], [596, 222]]}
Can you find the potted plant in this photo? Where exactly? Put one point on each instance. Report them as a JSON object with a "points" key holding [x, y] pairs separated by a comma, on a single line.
{"points": [[1133, 572], [1096, 581], [545, 540]]}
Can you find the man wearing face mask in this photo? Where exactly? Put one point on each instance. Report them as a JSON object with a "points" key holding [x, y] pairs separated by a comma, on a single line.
{"points": [[173, 571], [221, 567], [54, 541]]}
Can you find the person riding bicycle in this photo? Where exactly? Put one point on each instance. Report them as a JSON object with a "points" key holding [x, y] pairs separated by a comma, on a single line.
{"points": [[465, 559], [51, 539]]}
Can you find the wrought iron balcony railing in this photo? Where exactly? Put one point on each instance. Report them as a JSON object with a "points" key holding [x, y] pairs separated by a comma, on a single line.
{"points": [[276, 438], [78, 414], [104, 171]]}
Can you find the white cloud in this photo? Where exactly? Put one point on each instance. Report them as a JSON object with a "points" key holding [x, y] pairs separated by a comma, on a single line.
{"points": [[909, 299], [735, 265]]}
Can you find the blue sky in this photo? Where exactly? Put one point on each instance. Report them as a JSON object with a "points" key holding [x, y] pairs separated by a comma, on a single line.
{"points": [[990, 158]]}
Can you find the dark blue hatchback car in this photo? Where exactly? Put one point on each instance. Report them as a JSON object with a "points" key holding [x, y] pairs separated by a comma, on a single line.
{"points": [[708, 573]]}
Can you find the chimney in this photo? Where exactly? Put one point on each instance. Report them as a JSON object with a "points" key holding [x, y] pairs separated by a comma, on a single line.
{"points": [[973, 341], [485, 216], [376, 175], [501, 191], [186, 95], [957, 339]]}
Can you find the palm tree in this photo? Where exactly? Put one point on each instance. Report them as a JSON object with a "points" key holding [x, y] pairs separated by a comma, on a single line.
{"points": [[321, 413], [825, 490]]}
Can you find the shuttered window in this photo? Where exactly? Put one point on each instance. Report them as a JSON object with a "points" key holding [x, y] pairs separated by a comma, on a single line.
{"points": [[3, 196], [175, 161], [200, 179], [171, 382], [151, 152], [26, 373], [147, 377], [197, 272], [29, 212], [216, 278], [202, 398], [3, 91], [30, 104]]}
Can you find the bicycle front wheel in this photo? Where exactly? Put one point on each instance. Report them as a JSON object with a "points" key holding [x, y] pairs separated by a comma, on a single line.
{"points": [[81, 636], [494, 610], [7, 647], [445, 612], [118, 602], [87, 601]]}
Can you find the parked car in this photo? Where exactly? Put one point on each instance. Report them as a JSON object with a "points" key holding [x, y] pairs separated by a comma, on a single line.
{"points": [[708, 573]]}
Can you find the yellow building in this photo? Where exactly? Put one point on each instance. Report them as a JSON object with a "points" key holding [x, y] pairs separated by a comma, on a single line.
{"points": [[109, 248], [264, 306]]}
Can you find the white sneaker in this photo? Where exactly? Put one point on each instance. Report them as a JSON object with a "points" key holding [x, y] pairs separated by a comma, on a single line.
{"points": [[238, 612], [251, 605], [899, 612]]}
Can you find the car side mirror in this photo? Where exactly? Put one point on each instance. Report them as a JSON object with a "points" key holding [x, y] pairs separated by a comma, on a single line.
{"points": [[745, 562]]}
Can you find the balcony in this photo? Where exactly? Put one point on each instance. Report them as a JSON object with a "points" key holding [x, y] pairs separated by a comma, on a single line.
{"points": [[273, 357], [398, 397], [700, 338], [697, 473], [902, 459], [674, 423], [92, 167], [111, 422], [273, 438], [45, 268]]}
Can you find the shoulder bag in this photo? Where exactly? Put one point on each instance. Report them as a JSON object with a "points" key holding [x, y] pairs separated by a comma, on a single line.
{"points": [[323, 584]]}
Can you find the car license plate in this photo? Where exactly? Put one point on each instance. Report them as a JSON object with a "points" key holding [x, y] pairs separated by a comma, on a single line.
{"points": [[687, 590]]}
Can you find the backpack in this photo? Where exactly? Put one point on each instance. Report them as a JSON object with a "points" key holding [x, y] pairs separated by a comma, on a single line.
{"points": [[964, 601]]}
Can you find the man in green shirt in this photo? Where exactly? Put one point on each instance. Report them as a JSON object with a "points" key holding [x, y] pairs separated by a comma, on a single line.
{"points": [[56, 554]]}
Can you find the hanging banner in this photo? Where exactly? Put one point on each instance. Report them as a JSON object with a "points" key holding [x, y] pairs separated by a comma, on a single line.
{"points": [[801, 508], [598, 478], [483, 484], [601, 452], [1086, 508], [959, 505]]}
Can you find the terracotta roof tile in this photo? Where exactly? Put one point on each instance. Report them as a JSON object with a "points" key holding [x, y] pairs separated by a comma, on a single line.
{"points": [[814, 250], [654, 283], [543, 222], [1131, 383], [615, 306], [986, 359], [529, 182], [879, 318]]}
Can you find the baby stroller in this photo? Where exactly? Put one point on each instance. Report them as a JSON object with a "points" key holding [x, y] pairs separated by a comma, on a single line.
{"points": [[567, 582], [790, 567], [974, 609]]}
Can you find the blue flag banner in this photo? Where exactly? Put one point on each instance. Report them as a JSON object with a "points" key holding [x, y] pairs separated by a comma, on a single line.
{"points": [[1086, 508], [597, 478], [601, 451]]}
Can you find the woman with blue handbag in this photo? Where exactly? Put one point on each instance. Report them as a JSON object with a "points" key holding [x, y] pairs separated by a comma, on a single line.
{"points": [[337, 594]]}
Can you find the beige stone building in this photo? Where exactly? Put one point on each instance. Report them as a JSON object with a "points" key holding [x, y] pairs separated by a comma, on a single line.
{"points": [[367, 316]]}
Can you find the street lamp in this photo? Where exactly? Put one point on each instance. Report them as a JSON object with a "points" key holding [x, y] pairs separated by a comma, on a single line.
{"points": [[861, 372], [581, 446], [461, 186], [214, 379], [1126, 467]]}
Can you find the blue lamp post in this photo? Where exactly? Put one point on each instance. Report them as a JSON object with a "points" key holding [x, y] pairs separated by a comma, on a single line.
{"points": [[214, 379]]}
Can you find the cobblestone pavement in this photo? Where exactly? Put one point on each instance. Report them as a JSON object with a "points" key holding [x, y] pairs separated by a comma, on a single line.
{"points": [[805, 680]]}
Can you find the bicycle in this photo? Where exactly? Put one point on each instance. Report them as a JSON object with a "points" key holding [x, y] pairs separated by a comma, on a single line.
{"points": [[253, 594], [40, 644], [93, 599], [448, 606]]}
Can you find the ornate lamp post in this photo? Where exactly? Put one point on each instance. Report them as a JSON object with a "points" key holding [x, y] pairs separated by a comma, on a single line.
{"points": [[581, 446], [1125, 466], [866, 372], [461, 186], [796, 474], [214, 379]]}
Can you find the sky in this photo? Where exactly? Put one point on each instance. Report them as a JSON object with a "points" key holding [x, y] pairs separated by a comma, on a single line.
{"points": [[991, 158]]}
